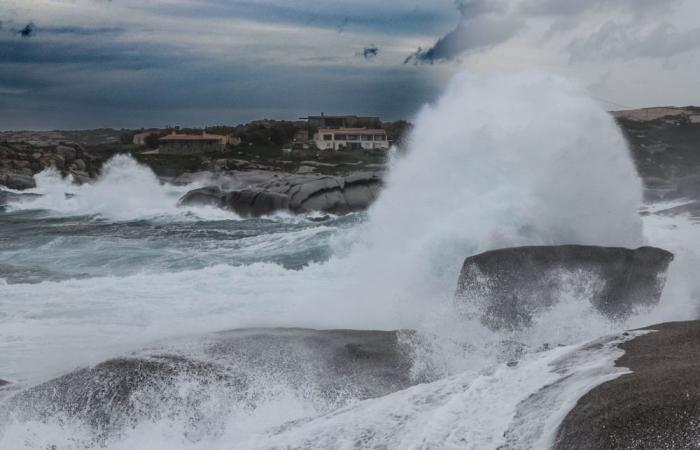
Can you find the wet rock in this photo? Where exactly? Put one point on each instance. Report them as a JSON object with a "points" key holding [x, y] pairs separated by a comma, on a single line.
{"points": [[209, 196], [78, 165], [3, 382], [247, 203], [202, 381], [80, 177], [16, 180], [656, 406], [508, 287], [691, 209], [67, 153], [305, 170], [264, 194], [7, 197]]}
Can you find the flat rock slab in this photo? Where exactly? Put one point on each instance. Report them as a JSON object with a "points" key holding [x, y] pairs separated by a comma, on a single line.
{"points": [[508, 287], [233, 369], [657, 406]]}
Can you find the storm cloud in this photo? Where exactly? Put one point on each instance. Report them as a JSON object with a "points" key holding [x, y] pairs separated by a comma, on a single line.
{"points": [[470, 35], [195, 62], [28, 30]]}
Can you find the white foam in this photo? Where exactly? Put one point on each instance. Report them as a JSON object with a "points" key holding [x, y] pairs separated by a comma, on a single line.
{"points": [[125, 190]]}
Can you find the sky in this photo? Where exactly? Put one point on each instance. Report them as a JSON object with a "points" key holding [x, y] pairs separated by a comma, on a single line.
{"points": [[69, 64]]}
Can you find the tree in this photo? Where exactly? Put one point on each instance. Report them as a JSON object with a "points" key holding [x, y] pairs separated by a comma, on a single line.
{"points": [[152, 141]]}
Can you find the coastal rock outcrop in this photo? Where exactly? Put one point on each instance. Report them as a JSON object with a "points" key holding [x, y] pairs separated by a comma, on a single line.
{"points": [[298, 193], [20, 161], [506, 288], [655, 406], [17, 180]]}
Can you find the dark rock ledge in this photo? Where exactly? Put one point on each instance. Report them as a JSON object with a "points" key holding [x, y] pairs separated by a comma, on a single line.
{"points": [[296, 194], [657, 406]]}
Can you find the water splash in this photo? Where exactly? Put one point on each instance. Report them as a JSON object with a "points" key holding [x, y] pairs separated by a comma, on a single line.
{"points": [[125, 190]]}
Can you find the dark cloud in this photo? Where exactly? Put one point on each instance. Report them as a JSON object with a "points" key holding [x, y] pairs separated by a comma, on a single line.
{"points": [[87, 53], [578, 7], [28, 30], [83, 31], [626, 41], [200, 95], [370, 52], [470, 35], [473, 8]]}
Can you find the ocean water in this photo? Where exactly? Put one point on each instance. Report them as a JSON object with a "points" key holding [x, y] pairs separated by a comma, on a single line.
{"points": [[101, 270]]}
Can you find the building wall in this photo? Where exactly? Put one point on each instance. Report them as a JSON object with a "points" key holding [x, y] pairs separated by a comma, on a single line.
{"points": [[338, 144]]}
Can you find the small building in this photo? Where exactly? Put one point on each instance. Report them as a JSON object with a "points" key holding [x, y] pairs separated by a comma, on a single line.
{"points": [[351, 139], [324, 121], [140, 138], [301, 140], [188, 144]]}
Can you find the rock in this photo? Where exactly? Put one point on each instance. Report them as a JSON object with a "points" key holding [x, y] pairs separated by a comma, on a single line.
{"points": [[21, 164], [78, 166], [7, 197], [248, 203], [655, 406], [3, 382], [56, 161], [689, 187], [507, 287], [234, 369], [299, 194], [15, 180], [210, 196], [305, 169], [692, 209], [67, 153], [80, 177]]}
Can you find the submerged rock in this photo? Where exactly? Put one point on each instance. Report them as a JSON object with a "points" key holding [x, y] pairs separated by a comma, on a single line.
{"points": [[655, 406], [508, 287], [300, 193], [202, 381]]}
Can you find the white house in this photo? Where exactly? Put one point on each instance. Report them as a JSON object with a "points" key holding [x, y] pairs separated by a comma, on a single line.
{"points": [[351, 139]]}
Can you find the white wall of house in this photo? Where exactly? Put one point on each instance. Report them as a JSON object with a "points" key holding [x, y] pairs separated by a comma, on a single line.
{"points": [[331, 139]]}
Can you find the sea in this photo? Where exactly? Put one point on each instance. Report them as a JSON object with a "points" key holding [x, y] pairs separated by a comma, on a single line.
{"points": [[101, 270]]}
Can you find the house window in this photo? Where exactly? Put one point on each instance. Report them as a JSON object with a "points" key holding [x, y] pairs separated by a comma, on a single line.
{"points": [[340, 137], [352, 137], [327, 137], [366, 137], [379, 137]]}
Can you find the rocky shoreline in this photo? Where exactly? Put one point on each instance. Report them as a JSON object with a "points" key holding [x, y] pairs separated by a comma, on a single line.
{"points": [[656, 406]]}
